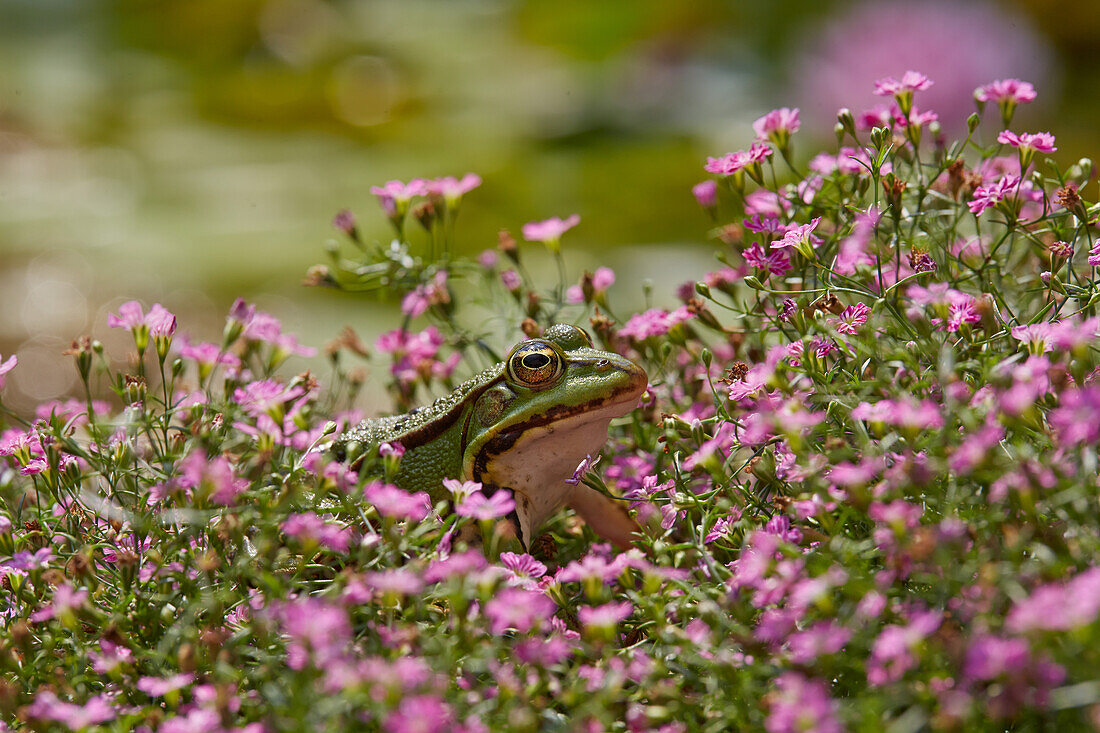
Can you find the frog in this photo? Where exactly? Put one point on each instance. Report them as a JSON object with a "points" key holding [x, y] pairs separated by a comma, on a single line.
{"points": [[527, 424]]}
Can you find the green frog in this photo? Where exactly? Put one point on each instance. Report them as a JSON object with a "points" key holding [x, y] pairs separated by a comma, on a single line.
{"points": [[524, 424]]}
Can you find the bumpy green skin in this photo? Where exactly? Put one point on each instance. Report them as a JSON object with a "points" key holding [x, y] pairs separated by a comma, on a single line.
{"points": [[432, 436], [455, 435]]}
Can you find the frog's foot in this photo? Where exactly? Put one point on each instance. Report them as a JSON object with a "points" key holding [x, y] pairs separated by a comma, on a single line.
{"points": [[607, 517]]}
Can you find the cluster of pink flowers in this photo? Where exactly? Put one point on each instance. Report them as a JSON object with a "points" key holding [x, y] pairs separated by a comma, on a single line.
{"points": [[415, 355], [732, 163], [394, 196]]}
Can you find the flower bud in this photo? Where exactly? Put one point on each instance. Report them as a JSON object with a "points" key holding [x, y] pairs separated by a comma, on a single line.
{"points": [[845, 119]]}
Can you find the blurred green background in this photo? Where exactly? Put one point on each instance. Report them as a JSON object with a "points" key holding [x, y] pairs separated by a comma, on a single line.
{"points": [[193, 151]]}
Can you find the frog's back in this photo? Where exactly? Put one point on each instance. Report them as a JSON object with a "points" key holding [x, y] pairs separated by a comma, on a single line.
{"points": [[422, 424]]}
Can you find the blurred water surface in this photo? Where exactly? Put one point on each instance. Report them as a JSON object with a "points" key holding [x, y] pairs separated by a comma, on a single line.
{"points": [[193, 151]]}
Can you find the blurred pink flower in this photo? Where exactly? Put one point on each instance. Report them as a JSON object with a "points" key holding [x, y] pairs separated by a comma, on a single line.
{"points": [[453, 189], [420, 714], [309, 526], [393, 194], [801, 705], [705, 193], [478, 506], [518, 609], [47, 706], [549, 230], [65, 599], [158, 320], [839, 60], [391, 501], [730, 163], [215, 474], [7, 366], [911, 81], [1002, 90], [606, 616], [777, 123], [159, 686], [653, 322]]}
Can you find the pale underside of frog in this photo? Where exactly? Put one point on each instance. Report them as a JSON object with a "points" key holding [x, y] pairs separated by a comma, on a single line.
{"points": [[525, 425]]}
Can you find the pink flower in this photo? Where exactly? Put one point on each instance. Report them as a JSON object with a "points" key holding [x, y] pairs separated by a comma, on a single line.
{"points": [[777, 125], [801, 705], [549, 230], [214, 475], [434, 292], [911, 81], [523, 567], [598, 283], [309, 526], [207, 354], [112, 657], [1058, 606], [479, 507], [800, 237], [453, 189], [851, 318], [129, 316], [394, 196], [7, 366], [391, 501], [65, 600], [47, 706], [730, 163], [772, 262], [606, 616], [653, 322], [511, 280], [161, 686], [457, 565], [345, 221], [1002, 90], [396, 580], [266, 397], [706, 193], [1041, 142], [821, 638], [1075, 418], [986, 196], [852, 251], [161, 323], [893, 653], [518, 609], [592, 567], [420, 714], [318, 631]]}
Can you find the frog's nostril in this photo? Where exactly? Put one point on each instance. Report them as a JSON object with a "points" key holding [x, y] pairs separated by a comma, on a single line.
{"points": [[602, 363]]}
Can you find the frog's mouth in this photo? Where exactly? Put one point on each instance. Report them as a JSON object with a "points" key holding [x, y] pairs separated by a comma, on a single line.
{"points": [[535, 459]]}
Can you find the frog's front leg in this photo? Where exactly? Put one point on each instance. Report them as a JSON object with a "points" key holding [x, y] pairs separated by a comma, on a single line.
{"points": [[606, 516]]}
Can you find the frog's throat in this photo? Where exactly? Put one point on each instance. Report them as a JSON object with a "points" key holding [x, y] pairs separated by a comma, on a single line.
{"points": [[535, 459]]}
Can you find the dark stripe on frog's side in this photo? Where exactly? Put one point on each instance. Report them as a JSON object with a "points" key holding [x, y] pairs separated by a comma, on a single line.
{"points": [[503, 442]]}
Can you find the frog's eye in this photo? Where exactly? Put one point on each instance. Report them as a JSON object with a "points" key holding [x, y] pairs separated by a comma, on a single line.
{"points": [[534, 364]]}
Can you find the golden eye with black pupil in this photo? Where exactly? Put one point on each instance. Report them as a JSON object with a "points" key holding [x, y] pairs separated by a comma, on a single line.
{"points": [[534, 364]]}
